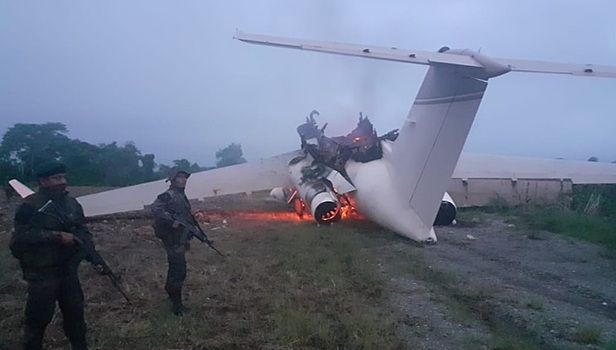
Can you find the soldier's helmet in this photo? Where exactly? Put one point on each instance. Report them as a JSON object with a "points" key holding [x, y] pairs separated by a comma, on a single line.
{"points": [[48, 168], [174, 172]]}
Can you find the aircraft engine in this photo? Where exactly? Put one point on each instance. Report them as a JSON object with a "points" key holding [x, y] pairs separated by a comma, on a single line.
{"points": [[313, 189], [446, 212]]}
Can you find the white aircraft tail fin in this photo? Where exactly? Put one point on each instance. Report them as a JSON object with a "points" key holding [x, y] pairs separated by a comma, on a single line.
{"points": [[431, 139]]}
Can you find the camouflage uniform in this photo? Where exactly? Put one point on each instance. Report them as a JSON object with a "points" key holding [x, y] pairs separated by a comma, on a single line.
{"points": [[49, 267], [169, 206]]}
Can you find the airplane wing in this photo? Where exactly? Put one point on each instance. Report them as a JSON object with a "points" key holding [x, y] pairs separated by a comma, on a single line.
{"points": [[481, 166], [21, 189], [261, 175], [273, 172]]}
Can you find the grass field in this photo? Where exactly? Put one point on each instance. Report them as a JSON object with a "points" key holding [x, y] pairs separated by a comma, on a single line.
{"points": [[288, 284], [281, 285]]}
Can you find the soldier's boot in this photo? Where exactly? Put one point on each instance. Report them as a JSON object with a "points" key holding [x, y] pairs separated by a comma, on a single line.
{"points": [[32, 345], [79, 344], [32, 338], [177, 307]]}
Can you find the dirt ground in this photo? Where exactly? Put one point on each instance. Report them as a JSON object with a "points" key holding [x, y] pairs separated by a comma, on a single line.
{"points": [[484, 285], [553, 289]]}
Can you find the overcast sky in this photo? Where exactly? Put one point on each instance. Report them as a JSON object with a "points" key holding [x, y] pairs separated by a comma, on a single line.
{"points": [[168, 75]]}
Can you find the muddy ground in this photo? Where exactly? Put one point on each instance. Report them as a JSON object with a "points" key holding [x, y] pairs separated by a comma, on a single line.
{"points": [[485, 285]]}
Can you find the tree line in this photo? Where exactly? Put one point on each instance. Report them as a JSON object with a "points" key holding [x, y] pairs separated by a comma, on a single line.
{"points": [[109, 164]]}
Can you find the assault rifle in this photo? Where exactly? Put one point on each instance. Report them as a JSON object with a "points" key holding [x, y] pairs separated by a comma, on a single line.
{"points": [[50, 209], [192, 229]]}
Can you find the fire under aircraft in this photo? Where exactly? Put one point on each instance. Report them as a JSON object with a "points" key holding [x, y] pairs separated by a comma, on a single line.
{"points": [[403, 186]]}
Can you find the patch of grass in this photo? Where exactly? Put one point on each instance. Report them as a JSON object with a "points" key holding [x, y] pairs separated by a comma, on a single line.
{"points": [[469, 215], [304, 328], [282, 285], [603, 196], [333, 296], [587, 334], [507, 338], [597, 225], [536, 235], [534, 304], [609, 345], [556, 219], [600, 230], [498, 205]]}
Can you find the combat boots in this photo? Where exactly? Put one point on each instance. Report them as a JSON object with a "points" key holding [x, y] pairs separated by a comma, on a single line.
{"points": [[177, 307], [79, 344]]}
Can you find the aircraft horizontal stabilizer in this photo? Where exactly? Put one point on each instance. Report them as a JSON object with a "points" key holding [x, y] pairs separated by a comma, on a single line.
{"points": [[586, 70], [465, 58], [375, 52]]}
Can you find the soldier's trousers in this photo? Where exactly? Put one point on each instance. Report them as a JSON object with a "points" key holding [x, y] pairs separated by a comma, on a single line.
{"points": [[176, 273], [40, 306]]}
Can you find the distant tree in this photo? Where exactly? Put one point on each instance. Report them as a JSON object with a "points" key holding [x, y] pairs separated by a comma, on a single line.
{"points": [[8, 171], [593, 159], [26, 145], [107, 164], [184, 164], [85, 163], [148, 164], [122, 164], [230, 155]]}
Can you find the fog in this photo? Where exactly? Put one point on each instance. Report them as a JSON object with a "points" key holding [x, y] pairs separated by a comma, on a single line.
{"points": [[169, 77]]}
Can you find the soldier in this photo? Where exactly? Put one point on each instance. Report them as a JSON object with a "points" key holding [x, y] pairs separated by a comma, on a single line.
{"points": [[49, 239], [168, 208]]}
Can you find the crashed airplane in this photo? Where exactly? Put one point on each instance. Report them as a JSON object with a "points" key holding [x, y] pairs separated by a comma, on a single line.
{"points": [[403, 186], [321, 171]]}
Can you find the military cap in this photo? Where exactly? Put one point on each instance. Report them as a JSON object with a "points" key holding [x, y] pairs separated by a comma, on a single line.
{"points": [[49, 168], [175, 171]]}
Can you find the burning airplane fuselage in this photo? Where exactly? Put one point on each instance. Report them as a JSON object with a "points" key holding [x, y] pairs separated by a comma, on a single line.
{"points": [[338, 175]]}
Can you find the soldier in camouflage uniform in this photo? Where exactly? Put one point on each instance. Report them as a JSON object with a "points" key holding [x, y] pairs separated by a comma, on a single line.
{"points": [[50, 240], [169, 207]]}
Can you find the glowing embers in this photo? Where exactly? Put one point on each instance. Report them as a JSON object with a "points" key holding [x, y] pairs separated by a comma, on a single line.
{"points": [[269, 216], [348, 207]]}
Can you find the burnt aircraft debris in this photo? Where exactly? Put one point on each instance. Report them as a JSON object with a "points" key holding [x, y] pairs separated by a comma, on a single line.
{"points": [[361, 145], [320, 175]]}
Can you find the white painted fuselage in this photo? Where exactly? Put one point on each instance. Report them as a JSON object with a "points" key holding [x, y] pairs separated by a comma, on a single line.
{"points": [[377, 198]]}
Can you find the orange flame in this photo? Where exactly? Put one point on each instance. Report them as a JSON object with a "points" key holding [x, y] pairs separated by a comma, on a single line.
{"points": [[348, 208], [270, 216]]}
